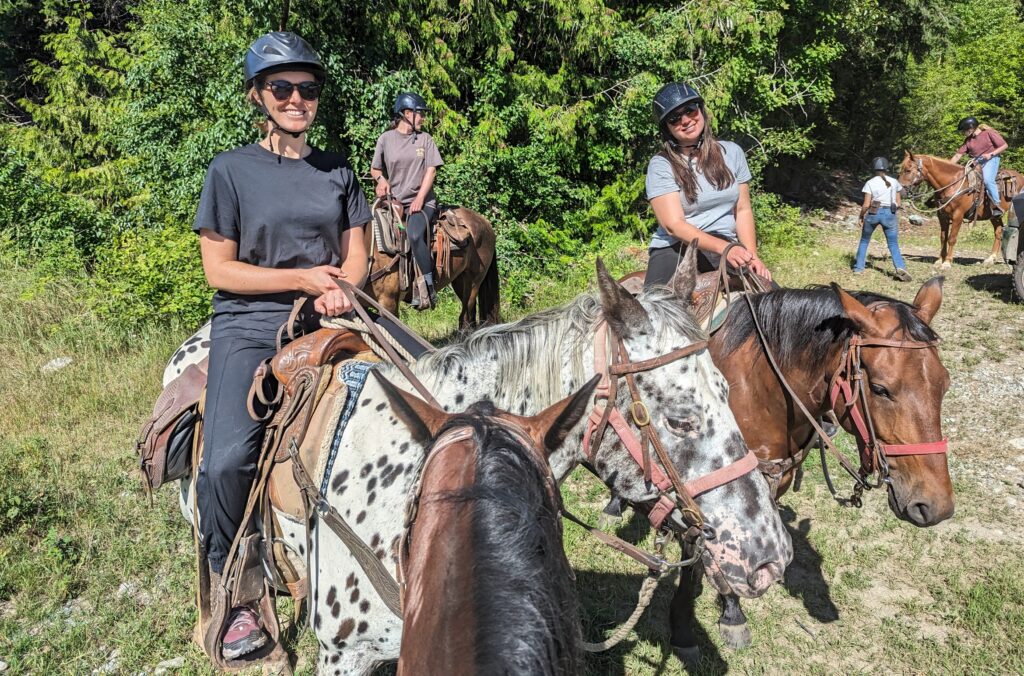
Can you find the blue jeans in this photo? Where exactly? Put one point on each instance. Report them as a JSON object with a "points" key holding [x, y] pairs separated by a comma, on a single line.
{"points": [[989, 169], [887, 219]]}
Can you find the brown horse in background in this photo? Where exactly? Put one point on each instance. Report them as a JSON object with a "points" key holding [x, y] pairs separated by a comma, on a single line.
{"points": [[956, 194], [472, 272], [488, 589]]}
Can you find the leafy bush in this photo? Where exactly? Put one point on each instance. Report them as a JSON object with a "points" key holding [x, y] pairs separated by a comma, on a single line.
{"points": [[779, 225]]}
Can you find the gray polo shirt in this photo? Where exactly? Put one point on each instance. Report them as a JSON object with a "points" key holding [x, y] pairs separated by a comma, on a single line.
{"points": [[283, 213], [714, 210], [404, 158]]}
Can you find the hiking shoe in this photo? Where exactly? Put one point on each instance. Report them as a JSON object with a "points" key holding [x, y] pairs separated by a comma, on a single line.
{"points": [[431, 303], [859, 272], [244, 634], [903, 275]]}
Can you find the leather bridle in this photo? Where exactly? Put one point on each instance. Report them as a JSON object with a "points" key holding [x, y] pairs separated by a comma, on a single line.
{"points": [[674, 493], [848, 389]]}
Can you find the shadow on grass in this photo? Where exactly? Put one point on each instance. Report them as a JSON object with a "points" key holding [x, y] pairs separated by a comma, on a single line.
{"points": [[804, 578], [996, 284]]}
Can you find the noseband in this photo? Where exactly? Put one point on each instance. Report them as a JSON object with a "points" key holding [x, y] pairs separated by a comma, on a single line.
{"points": [[674, 493], [848, 386]]}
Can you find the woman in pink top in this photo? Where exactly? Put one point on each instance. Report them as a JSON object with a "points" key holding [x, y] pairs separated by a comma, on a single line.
{"points": [[984, 145]]}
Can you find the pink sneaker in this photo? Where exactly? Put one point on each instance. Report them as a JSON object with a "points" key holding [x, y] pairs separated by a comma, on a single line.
{"points": [[244, 634]]}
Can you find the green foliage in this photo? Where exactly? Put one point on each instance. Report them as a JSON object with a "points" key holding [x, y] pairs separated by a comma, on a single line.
{"points": [[540, 108], [979, 71], [780, 226]]}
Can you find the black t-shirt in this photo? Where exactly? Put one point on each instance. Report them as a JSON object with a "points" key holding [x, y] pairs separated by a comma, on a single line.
{"points": [[283, 213]]}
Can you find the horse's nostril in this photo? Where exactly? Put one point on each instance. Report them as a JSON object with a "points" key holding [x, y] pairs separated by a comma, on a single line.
{"points": [[765, 576], [919, 513]]}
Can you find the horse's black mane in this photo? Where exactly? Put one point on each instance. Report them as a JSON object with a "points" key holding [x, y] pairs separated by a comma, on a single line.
{"points": [[527, 620], [803, 326]]}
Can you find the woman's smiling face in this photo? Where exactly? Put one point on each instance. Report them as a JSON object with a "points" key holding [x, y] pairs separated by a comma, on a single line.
{"points": [[294, 114], [686, 123]]}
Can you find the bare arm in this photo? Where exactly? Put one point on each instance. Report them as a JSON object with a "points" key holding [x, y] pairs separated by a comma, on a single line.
{"points": [[996, 151], [746, 231], [428, 182], [226, 273], [669, 212], [956, 158]]}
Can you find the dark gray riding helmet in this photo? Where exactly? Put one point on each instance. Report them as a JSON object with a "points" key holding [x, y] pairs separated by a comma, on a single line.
{"points": [[880, 164], [281, 50], [409, 101], [969, 122], [671, 96]]}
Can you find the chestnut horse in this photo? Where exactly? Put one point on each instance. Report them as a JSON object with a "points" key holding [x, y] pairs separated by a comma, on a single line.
{"points": [[488, 589], [956, 194], [809, 332], [473, 274]]}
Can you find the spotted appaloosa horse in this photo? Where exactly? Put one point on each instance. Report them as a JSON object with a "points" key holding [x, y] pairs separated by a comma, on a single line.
{"points": [[488, 589], [524, 367]]}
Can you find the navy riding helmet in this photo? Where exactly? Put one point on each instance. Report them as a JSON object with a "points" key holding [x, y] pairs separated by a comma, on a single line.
{"points": [[967, 123], [670, 97], [409, 101], [278, 51]]}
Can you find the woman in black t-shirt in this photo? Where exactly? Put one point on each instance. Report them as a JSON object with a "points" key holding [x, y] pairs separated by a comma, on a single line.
{"points": [[277, 220]]}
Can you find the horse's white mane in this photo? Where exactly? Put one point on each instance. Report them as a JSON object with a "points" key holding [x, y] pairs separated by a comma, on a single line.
{"points": [[531, 350]]}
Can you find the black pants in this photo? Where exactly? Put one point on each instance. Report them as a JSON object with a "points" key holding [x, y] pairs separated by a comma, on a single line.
{"points": [[662, 263], [418, 227], [231, 438]]}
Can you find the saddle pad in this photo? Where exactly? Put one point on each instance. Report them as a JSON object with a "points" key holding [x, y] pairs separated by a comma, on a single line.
{"points": [[353, 375]]}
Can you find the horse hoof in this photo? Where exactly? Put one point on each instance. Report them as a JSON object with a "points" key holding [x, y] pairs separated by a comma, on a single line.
{"points": [[946, 265], [735, 635], [688, 655], [991, 260]]}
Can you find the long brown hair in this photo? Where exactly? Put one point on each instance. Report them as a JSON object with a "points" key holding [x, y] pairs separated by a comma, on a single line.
{"points": [[709, 158]]}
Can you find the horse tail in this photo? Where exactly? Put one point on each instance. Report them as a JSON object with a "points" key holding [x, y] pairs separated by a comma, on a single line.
{"points": [[488, 299]]}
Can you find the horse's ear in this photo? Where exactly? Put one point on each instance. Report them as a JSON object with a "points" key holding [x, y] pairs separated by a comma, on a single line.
{"points": [[623, 313], [422, 419], [856, 312], [550, 427], [684, 280], [907, 155], [929, 299]]}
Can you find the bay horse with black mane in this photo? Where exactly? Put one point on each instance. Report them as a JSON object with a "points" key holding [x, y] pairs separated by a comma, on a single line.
{"points": [[472, 271], [825, 339], [956, 194], [487, 586]]}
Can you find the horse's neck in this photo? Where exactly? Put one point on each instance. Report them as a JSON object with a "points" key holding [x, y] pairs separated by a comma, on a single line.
{"points": [[939, 172]]}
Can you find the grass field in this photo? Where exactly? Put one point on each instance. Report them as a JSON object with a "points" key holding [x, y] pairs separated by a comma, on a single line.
{"points": [[94, 578]]}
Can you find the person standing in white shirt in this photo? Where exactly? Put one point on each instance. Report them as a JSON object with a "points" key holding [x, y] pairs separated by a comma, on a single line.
{"points": [[881, 200]]}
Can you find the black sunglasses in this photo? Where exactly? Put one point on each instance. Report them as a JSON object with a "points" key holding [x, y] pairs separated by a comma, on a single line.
{"points": [[282, 90], [678, 113]]}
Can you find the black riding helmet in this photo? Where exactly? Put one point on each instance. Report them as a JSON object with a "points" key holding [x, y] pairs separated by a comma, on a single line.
{"points": [[671, 96], [967, 123], [409, 101], [278, 51], [880, 164]]}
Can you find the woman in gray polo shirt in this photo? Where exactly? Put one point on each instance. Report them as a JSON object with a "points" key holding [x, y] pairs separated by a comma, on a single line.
{"points": [[697, 186]]}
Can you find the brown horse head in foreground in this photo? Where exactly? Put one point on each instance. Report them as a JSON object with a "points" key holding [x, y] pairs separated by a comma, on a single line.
{"points": [[810, 332], [488, 588], [955, 194]]}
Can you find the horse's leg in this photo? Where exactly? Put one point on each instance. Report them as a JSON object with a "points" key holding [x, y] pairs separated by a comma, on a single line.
{"points": [[732, 624], [943, 238], [956, 220], [997, 238], [681, 615], [466, 283]]}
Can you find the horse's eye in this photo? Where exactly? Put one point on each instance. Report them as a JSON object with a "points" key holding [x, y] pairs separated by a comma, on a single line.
{"points": [[880, 391], [681, 425]]}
